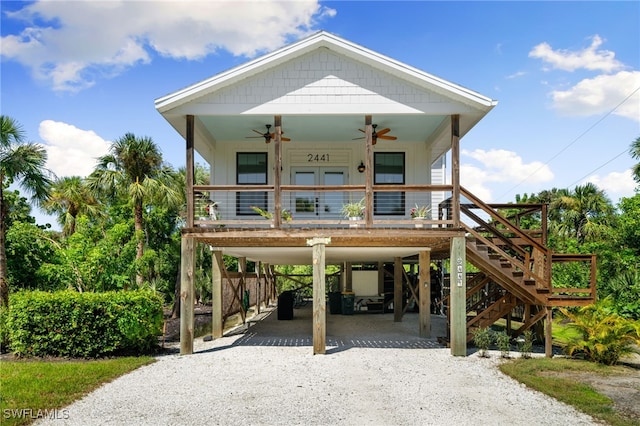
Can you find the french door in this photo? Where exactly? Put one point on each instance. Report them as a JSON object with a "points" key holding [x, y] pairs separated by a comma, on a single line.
{"points": [[317, 204]]}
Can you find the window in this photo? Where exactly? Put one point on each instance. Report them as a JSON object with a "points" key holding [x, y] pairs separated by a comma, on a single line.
{"points": [[251, 169], [388, 170]]}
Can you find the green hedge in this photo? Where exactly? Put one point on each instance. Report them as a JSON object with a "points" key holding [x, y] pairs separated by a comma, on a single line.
{"points": [[71, 324]]}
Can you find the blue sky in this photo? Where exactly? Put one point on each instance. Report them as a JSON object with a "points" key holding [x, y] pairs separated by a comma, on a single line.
{"points": [[566, 75]]}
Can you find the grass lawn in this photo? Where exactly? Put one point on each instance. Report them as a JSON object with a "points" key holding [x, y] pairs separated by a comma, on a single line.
{"points": [[33, 388], [560, 379]]}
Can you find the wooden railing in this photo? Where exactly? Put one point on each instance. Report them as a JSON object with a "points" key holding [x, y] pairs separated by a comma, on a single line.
{"points": [[215, 205]]}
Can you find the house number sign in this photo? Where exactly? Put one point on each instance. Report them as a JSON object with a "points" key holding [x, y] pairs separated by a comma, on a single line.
{"points": [[459, 271], [318, 158]]}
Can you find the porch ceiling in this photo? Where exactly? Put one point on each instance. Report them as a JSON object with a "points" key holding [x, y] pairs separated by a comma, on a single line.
{"points": [[322, 128]]}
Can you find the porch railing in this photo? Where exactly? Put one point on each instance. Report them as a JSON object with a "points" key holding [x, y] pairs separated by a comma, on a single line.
{"points": [[318, 205]]}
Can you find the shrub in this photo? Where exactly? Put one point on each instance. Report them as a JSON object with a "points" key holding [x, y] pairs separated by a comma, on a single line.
{"points": [[605, 336], [71, 324], [525, 345], [482, 338], [503, 341]]}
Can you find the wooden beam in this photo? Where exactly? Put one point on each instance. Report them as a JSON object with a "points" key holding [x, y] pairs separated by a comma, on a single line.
{"points": [[217, 324], [424, 292], [277, 180], [548, 335], [458, 297], [368, 193], [242, 285], [455, 168], [397, 289], [348, 272], [187, 278], [319, 298], [189, 170]]}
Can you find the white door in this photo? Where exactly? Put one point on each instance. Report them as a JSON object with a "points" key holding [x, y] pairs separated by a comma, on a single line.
{"points": [[318, 205]]}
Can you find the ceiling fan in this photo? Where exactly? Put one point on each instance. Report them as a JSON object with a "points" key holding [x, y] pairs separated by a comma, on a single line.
{"points": [[268, 135], [382, 134]]}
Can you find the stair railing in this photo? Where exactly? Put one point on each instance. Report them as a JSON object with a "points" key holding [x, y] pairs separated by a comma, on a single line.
{"points": [[536, 266]]}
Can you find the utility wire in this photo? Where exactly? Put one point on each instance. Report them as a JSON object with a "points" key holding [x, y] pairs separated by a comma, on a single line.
{"points": [[599, 167], [573, 142]]}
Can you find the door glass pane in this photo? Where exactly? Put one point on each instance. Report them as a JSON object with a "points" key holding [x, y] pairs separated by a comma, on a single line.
{"points": [[333, 201], [305, 200]]}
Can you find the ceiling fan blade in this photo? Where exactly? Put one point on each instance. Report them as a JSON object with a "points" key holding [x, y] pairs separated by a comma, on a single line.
{"points": [[355, 139], [260, 133], [387, 137], [383, 131]]}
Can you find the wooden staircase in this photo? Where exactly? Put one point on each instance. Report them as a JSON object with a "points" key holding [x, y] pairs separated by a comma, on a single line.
{"points": [[519, 263]]}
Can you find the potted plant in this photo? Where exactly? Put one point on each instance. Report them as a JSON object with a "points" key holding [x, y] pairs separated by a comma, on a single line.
{"points": [[419, 213], [353, 210], [285, 214]]}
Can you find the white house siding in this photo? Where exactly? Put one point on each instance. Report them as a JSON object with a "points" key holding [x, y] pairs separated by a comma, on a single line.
{"points": [[324, 82]]}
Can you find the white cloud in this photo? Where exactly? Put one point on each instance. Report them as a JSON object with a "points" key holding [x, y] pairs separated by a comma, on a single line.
{"points": [[615, 184], [71, 151], [499, 166], [599, 95], [119, 34], [588, 58]]}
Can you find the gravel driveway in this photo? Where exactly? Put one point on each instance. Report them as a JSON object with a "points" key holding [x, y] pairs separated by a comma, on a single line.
{"points": [[375, 372]]}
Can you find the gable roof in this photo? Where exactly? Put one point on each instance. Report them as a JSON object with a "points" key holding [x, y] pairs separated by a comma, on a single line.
{"points": [[334, 43]]}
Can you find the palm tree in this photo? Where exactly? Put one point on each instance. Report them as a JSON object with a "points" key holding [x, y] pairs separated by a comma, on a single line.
{"points": [[634, 150], [134, 168], [69, 198], [22, 162], [583, 213]]}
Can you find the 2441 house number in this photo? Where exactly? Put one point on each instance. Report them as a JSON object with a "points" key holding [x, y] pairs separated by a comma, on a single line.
{"points": [[317, 158]]}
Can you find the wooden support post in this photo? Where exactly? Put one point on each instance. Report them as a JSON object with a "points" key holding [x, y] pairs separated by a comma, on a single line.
{"points": [[187, 294], [348, 284], [217, 326], [319, 298], [548, 335], [397, 289], [259, 286], [277, 180], [242, 285], [458, 297], [368, 195], [424, 295], [455, 169], [381, 278], [189, 170]]}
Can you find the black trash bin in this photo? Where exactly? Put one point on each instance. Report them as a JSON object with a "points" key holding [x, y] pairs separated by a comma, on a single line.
{"points": [[335, 302], [348, 300], [285, 305]]}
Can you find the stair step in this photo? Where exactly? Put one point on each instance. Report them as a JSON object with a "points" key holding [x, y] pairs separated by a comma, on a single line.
{"points": [[494, 256], [529, 281], [517, 274]]}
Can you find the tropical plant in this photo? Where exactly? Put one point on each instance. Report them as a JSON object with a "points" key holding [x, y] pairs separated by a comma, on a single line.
{"points": [[355, 209], [482, 338], [584, 213], [605, 336], [503, 341], [419, 211], [525, 344], [24, 162], [634, 150], [284, 214], [70, 197], [134, 167]]}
